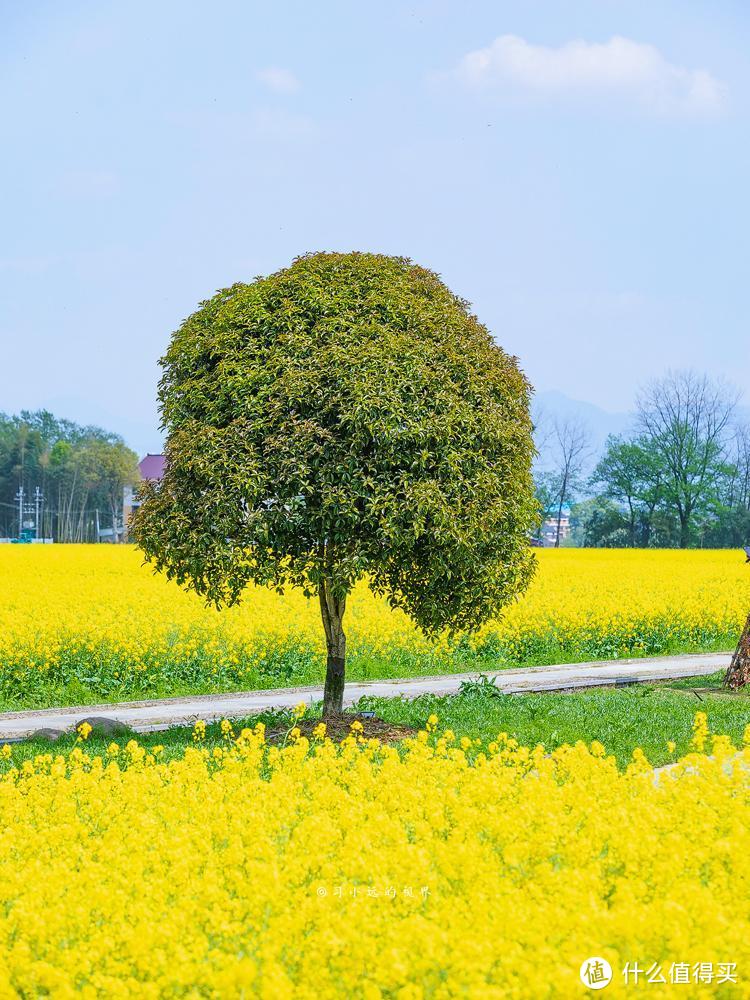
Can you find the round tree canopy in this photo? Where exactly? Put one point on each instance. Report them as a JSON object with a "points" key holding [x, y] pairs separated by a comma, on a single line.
{"points": [[345, 417]]}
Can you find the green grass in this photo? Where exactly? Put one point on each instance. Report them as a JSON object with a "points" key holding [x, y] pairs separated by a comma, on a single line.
{"points": [[102, 676], [644, 716], [173, 740]]}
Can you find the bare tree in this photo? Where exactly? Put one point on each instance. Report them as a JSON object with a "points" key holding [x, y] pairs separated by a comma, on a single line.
{"points": [[543, 431], [740, 459], [572, 447], [686, 417], [738, 672]]}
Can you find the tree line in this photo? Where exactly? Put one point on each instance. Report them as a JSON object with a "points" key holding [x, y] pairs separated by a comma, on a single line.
{"points": [[680, 479], [80, 471]]}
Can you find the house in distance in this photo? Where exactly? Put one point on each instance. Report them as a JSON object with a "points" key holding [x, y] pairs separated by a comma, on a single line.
{"points": [[149, 467]]}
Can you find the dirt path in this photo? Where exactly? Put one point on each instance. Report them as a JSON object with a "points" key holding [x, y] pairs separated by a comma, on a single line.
{"points": [[152, 715]]}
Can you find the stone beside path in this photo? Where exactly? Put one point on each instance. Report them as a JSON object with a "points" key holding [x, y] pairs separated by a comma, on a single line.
{"points": [[148, 716]]}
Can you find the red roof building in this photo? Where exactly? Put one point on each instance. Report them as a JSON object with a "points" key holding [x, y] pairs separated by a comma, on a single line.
{"points": [[151, 467]]}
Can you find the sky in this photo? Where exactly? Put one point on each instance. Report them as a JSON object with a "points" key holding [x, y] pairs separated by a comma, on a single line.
{"points": [[578, 171]]}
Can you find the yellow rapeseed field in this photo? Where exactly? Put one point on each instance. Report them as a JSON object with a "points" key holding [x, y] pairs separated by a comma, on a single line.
{"points": [[441, 869], [93, 620]]}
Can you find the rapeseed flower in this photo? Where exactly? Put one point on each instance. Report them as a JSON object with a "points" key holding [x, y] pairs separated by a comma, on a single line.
{"points": [[324, 870], [582, 604]]}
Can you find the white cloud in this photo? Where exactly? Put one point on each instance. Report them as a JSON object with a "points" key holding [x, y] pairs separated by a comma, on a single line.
{"points": [[281, 81], [620, 68]]}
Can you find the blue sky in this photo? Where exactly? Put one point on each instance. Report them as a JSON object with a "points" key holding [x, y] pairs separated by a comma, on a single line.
{"points": [[578, 171]]}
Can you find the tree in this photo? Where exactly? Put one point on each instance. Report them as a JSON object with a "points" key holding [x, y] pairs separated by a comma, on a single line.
{"points": [[738, 671], [685, 416], [78, 469], [741, 461], [572, 447], [116, 467], [599, 523], [730, 523], [546, 491], [631, 472], [346, 417]]}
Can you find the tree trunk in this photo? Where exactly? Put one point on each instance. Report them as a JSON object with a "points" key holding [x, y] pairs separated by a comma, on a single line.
{"points": [[738, 672], [632, 523], [332, 612], [563, 496], [685, 529]]}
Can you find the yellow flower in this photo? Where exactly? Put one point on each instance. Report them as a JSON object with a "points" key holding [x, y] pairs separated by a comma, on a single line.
{"points": [[582, 604], [237, 832], [700, 732], [83, 730]]}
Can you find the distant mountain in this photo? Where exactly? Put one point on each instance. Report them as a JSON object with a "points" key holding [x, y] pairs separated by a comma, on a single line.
{"points": [[553, 405], [140, 429]]}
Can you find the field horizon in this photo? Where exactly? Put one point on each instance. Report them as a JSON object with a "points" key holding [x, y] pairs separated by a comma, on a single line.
{"points": [[109, 629]]}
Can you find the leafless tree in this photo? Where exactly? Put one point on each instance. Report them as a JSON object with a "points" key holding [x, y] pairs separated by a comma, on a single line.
{"points": [[572, 447], [740, 465], [738, 672], [686, 416], [543, 431]]}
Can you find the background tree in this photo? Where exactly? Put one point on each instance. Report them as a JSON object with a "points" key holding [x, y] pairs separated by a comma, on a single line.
{"points": [[685, 416], [113, 468], [729, 524], [571, 450], [546, 492], [79, 470], [342, 418], [599, 523], [740, 494], [631, 473]]}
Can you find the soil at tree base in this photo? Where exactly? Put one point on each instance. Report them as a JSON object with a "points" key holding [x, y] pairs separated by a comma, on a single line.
{"points": [[339, 726]]}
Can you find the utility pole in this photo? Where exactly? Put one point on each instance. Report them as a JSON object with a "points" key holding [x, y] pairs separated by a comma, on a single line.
{"points": [[38, 500], [19, 497], [97, 524]]}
